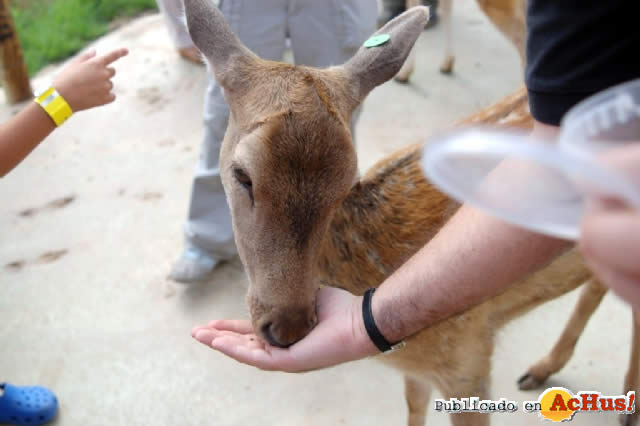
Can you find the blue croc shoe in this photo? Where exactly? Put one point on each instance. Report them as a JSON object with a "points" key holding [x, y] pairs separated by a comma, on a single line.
{"points": [[26, 405]]}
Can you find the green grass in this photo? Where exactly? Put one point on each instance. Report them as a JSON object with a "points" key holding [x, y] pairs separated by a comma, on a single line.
{"points": [[51, 30]]}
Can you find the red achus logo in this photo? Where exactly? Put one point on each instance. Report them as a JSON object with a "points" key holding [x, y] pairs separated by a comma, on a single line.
{"points": [[559, 404]]}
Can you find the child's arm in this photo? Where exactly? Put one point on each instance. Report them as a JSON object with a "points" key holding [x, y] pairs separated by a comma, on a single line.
{"points": [[84, 84]]}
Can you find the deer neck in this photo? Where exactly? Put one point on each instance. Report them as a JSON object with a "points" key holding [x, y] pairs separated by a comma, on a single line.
{"points": [[394, 211], [387, 217]]}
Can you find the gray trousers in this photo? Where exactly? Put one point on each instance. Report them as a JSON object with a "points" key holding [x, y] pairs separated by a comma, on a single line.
{"points": [[322, 33], [173, 10]]}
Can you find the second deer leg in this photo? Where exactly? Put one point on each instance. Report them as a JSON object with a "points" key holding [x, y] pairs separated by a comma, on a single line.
{"points": [[418, 393], [589, 300], [509, 18], [446, 7], [478, 386], [471, 379], [409, 64]]}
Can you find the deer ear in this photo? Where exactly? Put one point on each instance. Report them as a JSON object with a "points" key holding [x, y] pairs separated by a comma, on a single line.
{"points": [[213, 36], [372, 66]]}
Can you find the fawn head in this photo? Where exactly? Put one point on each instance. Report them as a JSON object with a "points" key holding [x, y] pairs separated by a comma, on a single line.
{"points": [[287, 160]]}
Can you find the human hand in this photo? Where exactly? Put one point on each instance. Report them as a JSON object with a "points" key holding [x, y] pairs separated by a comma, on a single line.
{"points": [[610, 234], [338, 337], [86, 82]]}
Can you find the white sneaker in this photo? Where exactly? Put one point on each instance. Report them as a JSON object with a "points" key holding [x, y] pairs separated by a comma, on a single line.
{"points": [[195, 265]]}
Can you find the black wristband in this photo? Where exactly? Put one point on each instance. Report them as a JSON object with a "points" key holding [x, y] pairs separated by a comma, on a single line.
{"points": [[372, 330]]}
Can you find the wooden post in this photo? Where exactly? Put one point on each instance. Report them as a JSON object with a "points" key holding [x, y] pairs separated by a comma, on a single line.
{"points": [[13, 71]]}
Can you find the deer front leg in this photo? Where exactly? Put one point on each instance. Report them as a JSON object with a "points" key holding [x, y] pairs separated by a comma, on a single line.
{"points": [[472, 379], [563, 350], [509, 18], [418, 393], [446, 7], [409, 64], [632, 379], [478, 386]]}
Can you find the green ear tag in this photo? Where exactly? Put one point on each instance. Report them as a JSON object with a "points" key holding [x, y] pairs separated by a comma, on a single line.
{"points": [[377, 40]]}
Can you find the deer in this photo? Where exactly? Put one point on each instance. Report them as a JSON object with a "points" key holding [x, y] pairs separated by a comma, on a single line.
{"points": [[303, 217], [507, 15]]}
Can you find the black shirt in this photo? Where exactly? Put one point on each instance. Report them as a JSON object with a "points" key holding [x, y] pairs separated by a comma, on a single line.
{"points": [[576, 48]]}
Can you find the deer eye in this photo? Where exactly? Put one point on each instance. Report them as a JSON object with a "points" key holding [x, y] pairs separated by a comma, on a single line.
{"points": [[244, 180]]}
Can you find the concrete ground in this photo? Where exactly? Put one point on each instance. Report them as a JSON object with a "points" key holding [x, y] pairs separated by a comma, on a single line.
{"points": [[91, 223]]}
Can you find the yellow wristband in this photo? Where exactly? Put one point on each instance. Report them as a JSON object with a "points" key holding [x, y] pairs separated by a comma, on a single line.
{"points": [[55, 105]]}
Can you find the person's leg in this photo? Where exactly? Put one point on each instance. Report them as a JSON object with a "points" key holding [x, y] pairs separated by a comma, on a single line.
{"points": [[330, 32], [208, 231], [173, 11]]}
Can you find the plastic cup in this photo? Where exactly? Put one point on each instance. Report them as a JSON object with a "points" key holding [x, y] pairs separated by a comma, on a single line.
{"points": [[541, 186]]}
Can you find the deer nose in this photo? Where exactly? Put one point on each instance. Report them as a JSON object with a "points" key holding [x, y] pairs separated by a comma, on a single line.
{"points": [[268, 335], [283, 331]]}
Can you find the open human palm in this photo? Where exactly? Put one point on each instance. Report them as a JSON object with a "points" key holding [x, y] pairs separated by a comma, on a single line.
{"points": [[338, 337]]}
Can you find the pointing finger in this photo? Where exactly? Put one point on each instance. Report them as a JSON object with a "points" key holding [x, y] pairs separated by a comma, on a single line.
{"points": [[111, 57]]}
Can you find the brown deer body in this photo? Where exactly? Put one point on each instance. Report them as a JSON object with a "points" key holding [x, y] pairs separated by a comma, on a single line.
{"points": [[302, 218]]}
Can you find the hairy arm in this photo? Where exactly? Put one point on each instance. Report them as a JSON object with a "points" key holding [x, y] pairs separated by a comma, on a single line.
{"points": [[473, 258]]}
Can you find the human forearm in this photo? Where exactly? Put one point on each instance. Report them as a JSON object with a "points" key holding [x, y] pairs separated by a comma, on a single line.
{"points": [[20, 135], [84, 84], [474, 257]]}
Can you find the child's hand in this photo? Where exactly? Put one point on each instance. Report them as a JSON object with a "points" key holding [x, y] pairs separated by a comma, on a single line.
{"points": [[86, 82]]}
